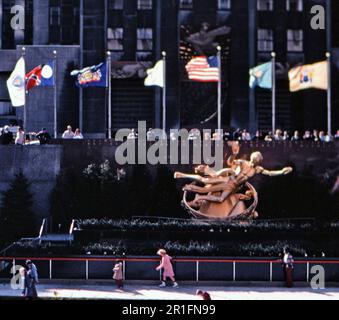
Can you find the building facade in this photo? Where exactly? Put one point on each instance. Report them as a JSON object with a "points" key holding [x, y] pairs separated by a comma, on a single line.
{"points": [[137, 31]]}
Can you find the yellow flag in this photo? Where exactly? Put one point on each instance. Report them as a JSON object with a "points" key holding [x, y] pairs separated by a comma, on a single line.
{"points": [[309, 76]]}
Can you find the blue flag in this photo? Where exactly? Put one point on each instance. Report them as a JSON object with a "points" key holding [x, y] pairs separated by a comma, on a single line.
{"points": [[95, 76], [261, 76], [41, 76]]}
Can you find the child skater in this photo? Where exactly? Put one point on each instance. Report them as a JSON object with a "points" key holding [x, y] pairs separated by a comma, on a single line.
{"points": [[167, 267], [118, 274]]}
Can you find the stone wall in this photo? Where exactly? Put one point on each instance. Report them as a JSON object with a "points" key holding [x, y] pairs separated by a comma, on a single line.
{"points": [[312, 162], [40, 165]]}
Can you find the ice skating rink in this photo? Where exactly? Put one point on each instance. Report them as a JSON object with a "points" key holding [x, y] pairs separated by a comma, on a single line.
{"points": [[134, 292]]}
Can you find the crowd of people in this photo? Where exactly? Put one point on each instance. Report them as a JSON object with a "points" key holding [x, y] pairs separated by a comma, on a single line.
{"points": [[246, 136], [10, 135], [280, 135], [17, 135], [29, 274], [70, 135]]}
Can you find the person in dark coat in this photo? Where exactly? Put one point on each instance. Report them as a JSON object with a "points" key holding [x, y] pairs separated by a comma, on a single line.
{"points": [[288, 267], [43, 136], [6, 136], [33, 279]]}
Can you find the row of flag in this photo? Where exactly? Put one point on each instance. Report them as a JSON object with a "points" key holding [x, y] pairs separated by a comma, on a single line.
{"points": [[301, 77], [200, 69]]}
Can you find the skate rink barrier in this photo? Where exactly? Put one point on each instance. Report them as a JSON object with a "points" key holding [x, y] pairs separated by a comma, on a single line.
{"points": [[187, 269]]}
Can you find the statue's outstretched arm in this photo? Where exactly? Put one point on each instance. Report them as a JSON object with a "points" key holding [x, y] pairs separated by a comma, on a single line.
{"points": [[282, 172], [195, 177], [206, 181]]}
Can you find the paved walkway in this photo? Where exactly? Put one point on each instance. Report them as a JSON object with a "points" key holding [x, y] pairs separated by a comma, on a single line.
{"points": [[105, 292]]}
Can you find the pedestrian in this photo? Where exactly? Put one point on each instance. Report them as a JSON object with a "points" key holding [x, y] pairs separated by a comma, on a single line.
{"points": [[204, 295], [6, 136], [286, 136], [20, 137], [288, 267], [296, 136], [68, 134], [43, 136], [78, 135], [166, 266], [33, 279], [24, 281], [118, 274], [269, 137], [308, 136], [258, 136]]}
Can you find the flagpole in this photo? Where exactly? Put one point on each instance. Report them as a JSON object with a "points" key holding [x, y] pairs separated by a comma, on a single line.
{"points": [[81, 93], [329, 94], [274, 93], [109, 80], [219, 92], [55, 54], [164, 93], [23, 54]]}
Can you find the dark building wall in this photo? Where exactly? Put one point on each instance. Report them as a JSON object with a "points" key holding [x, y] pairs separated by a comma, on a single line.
{"points": [[57, 22], [170, 43], [239, 89], [40, 22], [312, 103], [131, 100], [303, 110], [94, 48]]}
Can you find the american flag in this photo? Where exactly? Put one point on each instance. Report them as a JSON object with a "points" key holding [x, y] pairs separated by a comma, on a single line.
{"points": [[203, 69]]}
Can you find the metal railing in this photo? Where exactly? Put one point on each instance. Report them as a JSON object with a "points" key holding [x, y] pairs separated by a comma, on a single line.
{"points": [[236, 275]]}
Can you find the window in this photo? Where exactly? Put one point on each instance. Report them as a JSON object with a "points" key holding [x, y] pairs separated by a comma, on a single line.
{"points": [[186, 4], [54, 16], [265, 5], [265, 40], [144, 56], [224, 4], [6, 109], [294, 5], [116, 5], [145, 39], [295, 40], [64, 22], [115, 38], [145, 4]]}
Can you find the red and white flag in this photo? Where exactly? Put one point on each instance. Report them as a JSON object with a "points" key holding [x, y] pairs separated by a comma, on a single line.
{"points": [[203, 69]]}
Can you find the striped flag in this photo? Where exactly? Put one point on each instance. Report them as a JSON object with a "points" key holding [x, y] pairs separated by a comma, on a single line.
{"points": [[203, 69]]}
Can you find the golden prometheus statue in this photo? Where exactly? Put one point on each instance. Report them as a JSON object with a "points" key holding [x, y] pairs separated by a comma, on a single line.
{"points": [[226, 194]]}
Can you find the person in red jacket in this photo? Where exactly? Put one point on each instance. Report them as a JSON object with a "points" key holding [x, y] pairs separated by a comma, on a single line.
{"points": [[166, 266]]}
